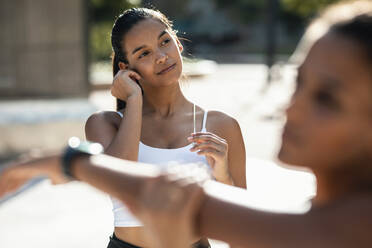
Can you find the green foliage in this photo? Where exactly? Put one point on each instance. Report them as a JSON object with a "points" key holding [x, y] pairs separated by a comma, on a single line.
{"points": [[244, 10], [106, 10], [306, 8], [250, 10], [102, 16], [100, 43]]}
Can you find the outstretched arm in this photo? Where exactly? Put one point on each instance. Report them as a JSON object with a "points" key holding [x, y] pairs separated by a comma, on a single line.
{"points": [[219, 213], [345, 224], [216, 214]]}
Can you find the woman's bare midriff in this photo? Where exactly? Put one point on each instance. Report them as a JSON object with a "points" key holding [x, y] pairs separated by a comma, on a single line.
{"points": [[136, 236], [132, 235]]}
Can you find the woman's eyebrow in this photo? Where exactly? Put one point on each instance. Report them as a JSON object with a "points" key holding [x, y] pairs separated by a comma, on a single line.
{"points": [[140, 47], [162, 33]]}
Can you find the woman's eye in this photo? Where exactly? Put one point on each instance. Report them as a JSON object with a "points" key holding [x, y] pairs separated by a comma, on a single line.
{"points": [[145, 53], [325, 99], [164, 42]]}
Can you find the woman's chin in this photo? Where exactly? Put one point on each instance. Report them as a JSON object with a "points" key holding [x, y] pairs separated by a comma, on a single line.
{"points": [[289, 157]]}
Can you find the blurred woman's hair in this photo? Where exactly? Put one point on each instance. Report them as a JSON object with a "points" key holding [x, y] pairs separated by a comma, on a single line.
{"points": [[350, 18], [123, 24]]}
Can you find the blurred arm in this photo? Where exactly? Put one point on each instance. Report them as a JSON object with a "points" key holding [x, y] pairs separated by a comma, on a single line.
{"points": [[120, 178], [344, 224]]}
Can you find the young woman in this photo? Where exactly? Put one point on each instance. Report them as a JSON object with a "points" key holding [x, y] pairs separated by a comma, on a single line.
{"points": [[327, 130], [155, 123]]}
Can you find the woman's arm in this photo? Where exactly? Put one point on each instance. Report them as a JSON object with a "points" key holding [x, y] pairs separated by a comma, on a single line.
{"points": [[224, 149], [237, 155], [121, 141], [121, 179], [219, 214], [216, 213], [346, 224]]}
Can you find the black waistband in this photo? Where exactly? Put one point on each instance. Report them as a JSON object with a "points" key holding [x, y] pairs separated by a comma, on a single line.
{"points": [[115, 242]]}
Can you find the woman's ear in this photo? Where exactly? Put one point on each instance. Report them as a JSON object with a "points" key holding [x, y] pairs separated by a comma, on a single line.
{"points": [[179, 44], [123, 66]]}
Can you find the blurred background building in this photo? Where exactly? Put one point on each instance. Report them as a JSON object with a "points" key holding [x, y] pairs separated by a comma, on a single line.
{"points": [[43, 48]]}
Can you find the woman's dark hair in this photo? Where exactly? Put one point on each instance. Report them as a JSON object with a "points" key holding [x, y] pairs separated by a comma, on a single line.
{"points": [[122, 25], [359, 29]]}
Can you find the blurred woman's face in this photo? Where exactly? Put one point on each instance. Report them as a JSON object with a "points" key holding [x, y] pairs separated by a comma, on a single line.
{"points": [[329, 121]]}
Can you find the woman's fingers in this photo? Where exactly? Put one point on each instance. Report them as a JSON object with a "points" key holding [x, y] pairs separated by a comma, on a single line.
{"points": [[125, 85], [127, 73], [212, 153], [202, 134], [218, 153], [201, 137], [209, 144], [134, 75]]}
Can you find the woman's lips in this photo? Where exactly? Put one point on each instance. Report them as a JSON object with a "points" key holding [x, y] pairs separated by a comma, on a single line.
{"points": [[166, 69]]}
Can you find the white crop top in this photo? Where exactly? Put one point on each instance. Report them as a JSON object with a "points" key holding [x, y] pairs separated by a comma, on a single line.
{"points": [[161, 157]]}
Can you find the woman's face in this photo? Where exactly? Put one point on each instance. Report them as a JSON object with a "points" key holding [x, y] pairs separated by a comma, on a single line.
{"points": [[329, 120], [154, 52]]}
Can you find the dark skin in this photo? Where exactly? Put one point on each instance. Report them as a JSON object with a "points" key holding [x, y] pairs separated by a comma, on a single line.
{"points": [[329, 118], [341, 216]]}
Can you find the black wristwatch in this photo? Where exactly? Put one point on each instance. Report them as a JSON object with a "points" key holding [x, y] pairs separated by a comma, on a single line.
{"points": [[75, 149]]}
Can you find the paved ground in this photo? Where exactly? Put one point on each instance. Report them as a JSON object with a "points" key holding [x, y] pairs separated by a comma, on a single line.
{"points": [[76, 215]]}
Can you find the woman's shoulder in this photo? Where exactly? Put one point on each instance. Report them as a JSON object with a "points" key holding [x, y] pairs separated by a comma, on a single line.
{"points": [[221, 123], [104, 118]]}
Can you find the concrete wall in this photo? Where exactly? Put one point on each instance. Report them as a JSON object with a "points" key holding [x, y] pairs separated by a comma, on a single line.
{"points": [[43, 48]]}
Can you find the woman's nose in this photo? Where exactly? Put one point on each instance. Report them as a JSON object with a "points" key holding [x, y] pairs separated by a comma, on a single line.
{"points": [[161, 57]]}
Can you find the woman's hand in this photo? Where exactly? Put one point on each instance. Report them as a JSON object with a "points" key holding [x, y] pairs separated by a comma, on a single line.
{"points": [[168, 208], [18, 173], [215, 149], [125, 85]]}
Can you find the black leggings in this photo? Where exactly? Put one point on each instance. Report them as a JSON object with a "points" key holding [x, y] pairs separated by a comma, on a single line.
{"points": [[118, 243]]}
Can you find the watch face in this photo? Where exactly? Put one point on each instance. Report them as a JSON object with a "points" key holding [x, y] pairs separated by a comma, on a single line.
{"points": [[77, 148], [85, 146]]}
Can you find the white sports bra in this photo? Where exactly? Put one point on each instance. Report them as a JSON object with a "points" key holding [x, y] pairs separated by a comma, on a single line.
{"points": [[161, 157]]}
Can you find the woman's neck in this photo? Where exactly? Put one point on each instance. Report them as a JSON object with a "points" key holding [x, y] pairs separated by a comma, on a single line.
{"points": [[333, 186], [163, 101]]}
